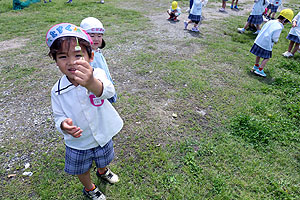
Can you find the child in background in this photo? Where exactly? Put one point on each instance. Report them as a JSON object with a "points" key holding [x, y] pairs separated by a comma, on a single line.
{"points": [[222, 9], [236, 5], [256, 16], [96, 30], [80, 107], [195, 15], [174, 11], [294, 37], [265, 40], [273, 7]]}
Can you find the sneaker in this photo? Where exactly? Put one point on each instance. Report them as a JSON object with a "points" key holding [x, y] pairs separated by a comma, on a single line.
{"points": [[109, 176], [231, 6], [287, 54], [256, 32], [185, 25], [255, 68], [260, 73], [175, 19], [241, 30], [95, 194], [236, 7], [70, 1], [195, 29], [102, 1], [222, 9]]}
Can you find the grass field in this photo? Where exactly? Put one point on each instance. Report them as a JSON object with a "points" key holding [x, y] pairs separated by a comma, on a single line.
{"points": [[236, 135]]}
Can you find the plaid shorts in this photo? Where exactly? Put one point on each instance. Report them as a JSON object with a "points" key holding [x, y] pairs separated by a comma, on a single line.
{"points": [[293, 38], [255, 19], [80, 161], [260, 52], [273, 8], [195, 18]]}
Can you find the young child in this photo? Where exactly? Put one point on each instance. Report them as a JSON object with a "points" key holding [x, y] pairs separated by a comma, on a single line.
{"points": [[80, 107], [96, 30], [265, 40], [174, 11], [294, 37], [236, 5], [273, 7], [195, 15], [256, 16]]}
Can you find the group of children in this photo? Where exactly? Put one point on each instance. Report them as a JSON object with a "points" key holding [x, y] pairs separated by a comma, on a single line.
{"points": [[270, 32], [82, 98]]}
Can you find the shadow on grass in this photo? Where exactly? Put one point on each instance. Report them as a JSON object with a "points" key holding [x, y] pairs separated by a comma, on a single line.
{"points": [[267, 80]]}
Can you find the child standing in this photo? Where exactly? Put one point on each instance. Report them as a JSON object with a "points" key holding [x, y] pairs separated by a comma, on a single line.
{"points": [[236, 5], [273, 7], [256, 17], [174, 11], [265, 40], [80, 107], [96, 30], [222, 9], [195, 15], [294, 37]]}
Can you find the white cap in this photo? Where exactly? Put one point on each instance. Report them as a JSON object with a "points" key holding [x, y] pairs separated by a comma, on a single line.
{"points": [[92, 25]]}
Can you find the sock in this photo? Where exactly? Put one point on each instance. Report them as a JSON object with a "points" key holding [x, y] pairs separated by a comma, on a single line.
{"points": [[257, 65], [103, 172], [260, 68], [91, 189]]}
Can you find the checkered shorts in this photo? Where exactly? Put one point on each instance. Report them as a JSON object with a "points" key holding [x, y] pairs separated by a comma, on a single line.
{"points": [[260, 52], [255, 19], [80, 161], [273, 8], [195, 18], [293, 38]]}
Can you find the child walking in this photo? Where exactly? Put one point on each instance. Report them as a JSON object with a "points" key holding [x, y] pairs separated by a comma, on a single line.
{"points": [[174, 11], [256, 16], [195, 15], [96, 30], [265, 40], [273, 7], [81, 110], [294, 37]]}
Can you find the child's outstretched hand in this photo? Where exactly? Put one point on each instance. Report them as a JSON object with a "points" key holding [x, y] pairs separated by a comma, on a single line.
{"points": [[294, 24], [84, 77], [67, 125]]}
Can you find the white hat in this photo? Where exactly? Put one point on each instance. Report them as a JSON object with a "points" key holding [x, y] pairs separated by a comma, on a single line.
{"points": [[92, 25], [65, 29]]}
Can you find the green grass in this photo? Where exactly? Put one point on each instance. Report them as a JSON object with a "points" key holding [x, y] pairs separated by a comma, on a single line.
{"points": [[246, 146]]}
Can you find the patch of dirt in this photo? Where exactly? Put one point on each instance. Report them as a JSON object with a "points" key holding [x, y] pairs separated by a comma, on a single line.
{"points": [[15, 43]]}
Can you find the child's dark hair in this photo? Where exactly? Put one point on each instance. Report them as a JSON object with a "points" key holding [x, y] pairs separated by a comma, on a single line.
{"points": [[280, 17], [57, 45]]}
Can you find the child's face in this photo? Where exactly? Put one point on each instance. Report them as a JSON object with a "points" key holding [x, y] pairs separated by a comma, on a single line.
{"points": [[97, 40], [66, 56]]}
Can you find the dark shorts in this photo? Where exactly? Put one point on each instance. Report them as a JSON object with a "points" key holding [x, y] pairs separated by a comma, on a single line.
{"points": [[260, 52], [195, 18], [273, 8], [293, 38], [80, 161], [255, 19]]}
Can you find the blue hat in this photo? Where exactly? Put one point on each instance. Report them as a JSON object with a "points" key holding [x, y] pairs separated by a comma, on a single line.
{"points": [[65, 29]]}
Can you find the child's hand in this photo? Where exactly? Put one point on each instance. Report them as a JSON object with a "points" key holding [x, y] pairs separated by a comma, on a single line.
{"points": [[67, 125], [294, 24], [84, 77], [83, 73]]}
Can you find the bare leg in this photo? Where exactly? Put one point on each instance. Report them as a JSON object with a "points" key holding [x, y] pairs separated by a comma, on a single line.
{"points": [[295, 48], [257, 60], [291, 46], [223, 4], [263, 63], [246, 25], [86, 181], [257, 27], [101, 170]]}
